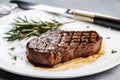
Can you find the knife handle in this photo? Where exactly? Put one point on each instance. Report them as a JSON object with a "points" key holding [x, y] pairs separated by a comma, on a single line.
{"points": [[96, 19], [107, 21], [22, 4]]}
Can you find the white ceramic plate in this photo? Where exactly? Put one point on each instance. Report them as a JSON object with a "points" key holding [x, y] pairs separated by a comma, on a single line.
{"points": [[23, 67]]}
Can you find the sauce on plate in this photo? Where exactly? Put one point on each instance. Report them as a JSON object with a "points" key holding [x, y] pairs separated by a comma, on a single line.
{"points": [[75, 63]]}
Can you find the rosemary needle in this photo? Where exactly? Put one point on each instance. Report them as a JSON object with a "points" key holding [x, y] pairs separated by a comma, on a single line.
{"points": [[24, 28]]}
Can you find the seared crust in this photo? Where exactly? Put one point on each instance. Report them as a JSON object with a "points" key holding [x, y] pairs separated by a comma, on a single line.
{"points": [[56, 47]]}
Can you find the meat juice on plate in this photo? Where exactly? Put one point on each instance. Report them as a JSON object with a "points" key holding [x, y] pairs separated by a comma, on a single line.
{"points": [[75, 63], [62, 50]]}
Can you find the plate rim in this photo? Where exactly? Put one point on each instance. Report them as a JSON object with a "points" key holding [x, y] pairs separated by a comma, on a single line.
{"points": [[51, 77]]}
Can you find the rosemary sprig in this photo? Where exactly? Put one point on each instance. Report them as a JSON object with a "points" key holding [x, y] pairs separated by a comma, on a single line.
{"points": [[24, 28]]}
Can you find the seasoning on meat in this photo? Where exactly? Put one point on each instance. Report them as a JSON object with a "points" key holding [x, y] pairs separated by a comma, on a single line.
{"points": [[56, 47]]}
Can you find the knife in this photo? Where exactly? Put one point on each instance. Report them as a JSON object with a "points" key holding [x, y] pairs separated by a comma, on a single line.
{"points": [[103, 20]]}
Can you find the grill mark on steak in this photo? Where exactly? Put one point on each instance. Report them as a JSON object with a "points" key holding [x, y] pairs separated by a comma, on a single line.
{"points": [[52, 48]]}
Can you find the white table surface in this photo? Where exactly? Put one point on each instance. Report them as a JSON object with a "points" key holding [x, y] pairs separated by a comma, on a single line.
{"points": [[107, 7]]}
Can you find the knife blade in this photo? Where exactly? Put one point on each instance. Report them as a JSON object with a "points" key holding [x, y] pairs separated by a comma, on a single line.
{"points": [[103, 20]]}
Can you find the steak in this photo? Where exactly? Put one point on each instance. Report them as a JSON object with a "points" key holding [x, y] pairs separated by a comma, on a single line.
{"points": [[59, 46]]}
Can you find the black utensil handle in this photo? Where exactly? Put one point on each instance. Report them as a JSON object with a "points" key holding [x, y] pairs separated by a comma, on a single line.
{"points": [[96, 19], [107, 22], [23, 4]]}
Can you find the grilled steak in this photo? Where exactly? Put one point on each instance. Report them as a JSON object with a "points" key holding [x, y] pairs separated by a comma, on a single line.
{"points": [[56, 47]]}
